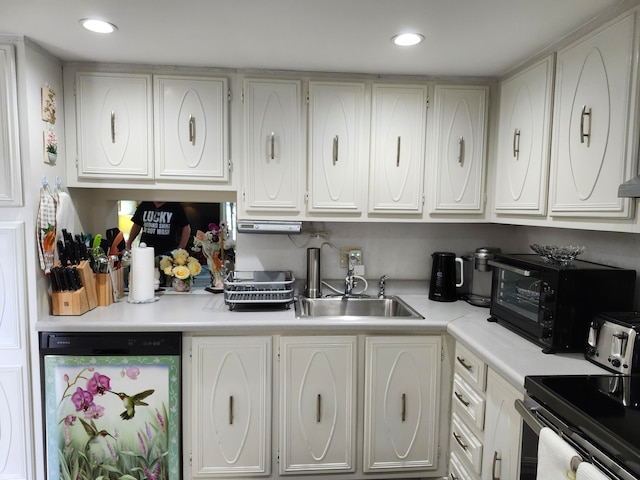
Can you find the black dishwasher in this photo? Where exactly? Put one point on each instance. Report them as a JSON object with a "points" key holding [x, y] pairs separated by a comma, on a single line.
{"points": [[111, 405]]}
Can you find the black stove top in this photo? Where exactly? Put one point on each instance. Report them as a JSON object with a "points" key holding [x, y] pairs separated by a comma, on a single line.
{"points": [[603, 408]]}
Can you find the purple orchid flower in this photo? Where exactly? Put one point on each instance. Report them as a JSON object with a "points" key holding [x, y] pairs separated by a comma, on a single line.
{"points": [[98, 384], [82, 399]]}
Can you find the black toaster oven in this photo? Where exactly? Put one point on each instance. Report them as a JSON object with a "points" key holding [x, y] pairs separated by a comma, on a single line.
{"points": [[553, 304]]}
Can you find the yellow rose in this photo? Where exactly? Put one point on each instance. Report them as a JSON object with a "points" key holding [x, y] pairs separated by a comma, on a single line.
{"points": [[194, 268], [181, 272], [168, 270], [165, 262], [180, 257]]}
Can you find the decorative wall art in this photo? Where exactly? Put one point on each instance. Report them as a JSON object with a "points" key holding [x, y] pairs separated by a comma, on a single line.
{"points": [[48, 104], [50, 146]]}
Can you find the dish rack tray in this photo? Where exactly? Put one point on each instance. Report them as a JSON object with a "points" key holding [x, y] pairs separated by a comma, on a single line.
{"points": [[255, 288]]}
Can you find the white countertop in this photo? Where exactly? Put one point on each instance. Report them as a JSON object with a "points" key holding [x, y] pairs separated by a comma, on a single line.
{"points": [[510, 355]]}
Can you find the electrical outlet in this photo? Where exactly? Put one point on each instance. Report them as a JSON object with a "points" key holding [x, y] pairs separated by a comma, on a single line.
{"points": [[344, 256]]}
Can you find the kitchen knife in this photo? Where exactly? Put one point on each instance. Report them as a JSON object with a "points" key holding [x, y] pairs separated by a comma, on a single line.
{"points": [[53, 281], [61, 252], [62, 281], [71, 278]]}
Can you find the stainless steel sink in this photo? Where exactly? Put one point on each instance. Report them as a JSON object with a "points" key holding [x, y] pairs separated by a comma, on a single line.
{"points": [[339, 307]]}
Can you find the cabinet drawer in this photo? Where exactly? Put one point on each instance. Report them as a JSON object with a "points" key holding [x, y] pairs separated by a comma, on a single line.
{"points": [[465, 444], [458, 471], [470, 367], [469, 401]]}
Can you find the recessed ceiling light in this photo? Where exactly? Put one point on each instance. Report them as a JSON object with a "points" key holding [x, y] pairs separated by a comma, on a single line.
{"points": [[407, 39], [98, 26]]}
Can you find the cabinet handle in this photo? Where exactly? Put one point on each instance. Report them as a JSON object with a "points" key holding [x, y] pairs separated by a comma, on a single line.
{"points": [[113, 126], [404, 407], [585, 113], [464, 364], [516, 142], [230, 409], [496, 459], [461, 399], [398, 152], [461, 151], [335, 149], [272, 144], [319, 408], [459, 440], [453, 477], [192, 129]]}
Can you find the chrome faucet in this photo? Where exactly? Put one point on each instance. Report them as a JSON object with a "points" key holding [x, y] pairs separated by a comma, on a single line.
{"points": [[381, 286], [349, 281]]}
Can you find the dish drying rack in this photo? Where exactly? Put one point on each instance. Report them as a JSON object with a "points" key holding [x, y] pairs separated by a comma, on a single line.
{"points": [[258, 288]]}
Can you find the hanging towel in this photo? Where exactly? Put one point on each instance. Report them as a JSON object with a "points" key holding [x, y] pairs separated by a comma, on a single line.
{"points": [[586, 471], [46, 227], [65, 215], [557, 460]]}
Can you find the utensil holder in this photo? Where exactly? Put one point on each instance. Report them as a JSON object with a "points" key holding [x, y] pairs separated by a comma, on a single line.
{"points": [[104, 289], [88, 279]]}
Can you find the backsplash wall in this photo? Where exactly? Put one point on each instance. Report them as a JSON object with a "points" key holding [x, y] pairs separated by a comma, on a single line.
{"points": [[403, 251]]}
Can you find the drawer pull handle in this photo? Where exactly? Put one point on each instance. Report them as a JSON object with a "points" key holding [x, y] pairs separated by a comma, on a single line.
{"points": [[516, 142], [404, 407], [113, 126], [459, 440], [453, 477], [230, 409], [335, 149], [272, 153], [496, 459], [461, 151], [461, 399], [192, 129], [586, 112], [318, 408], [398, 152], [464, 364]]}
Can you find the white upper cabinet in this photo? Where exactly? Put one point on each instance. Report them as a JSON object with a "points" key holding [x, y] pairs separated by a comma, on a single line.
{"points": [[402, 385], [594, 133], [191, 128], [274, 156], [337, 163], [398, 117], [318, 404], [10, 179], [458, 149], [523, 141], [114, 126]]}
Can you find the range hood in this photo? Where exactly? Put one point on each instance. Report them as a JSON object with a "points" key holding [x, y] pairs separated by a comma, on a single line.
{"points": [[269, 226], [630, 188]]}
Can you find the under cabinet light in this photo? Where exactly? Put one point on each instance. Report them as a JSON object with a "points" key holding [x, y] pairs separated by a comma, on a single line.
{"points": [[407, 39]]}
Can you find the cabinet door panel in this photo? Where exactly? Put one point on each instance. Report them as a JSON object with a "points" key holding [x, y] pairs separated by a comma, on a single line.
{"points": [[317, 404], [594, 135], [10, 179], [191, 128], [231, 385], [273, 145], [335, 146], [402, 377], [397, 149], [114, 125]]}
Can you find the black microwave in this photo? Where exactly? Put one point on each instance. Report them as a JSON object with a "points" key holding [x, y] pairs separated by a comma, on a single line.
{"points": [[552, 304]]}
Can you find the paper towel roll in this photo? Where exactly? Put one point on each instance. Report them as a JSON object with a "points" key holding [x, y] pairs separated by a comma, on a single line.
{"points": [[141, 286]]}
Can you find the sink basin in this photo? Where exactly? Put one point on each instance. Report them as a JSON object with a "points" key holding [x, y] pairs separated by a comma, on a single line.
{"points": [[339, 307]]}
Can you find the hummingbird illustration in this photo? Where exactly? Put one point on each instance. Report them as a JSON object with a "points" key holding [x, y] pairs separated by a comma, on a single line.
{"points": [[130, 402], [93, 432]]}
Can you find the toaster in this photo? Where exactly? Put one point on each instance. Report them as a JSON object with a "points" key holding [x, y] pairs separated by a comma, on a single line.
{"points": [[613, 343]]}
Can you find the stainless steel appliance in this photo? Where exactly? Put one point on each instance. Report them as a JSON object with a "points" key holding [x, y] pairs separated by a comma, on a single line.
{"points": [[552, 304], [112, 405], [443, 277], [314, 276], [613, 341], [479, 277], [598, 415]]}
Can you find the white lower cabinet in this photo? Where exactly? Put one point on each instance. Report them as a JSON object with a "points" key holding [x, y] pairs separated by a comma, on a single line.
{"points": [[230, 406], [317, 404], [402, 381], [339, 406], [503, 428], [485, 427]]}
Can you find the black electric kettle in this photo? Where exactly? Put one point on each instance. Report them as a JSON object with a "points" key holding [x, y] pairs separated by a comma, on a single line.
{"points": [[443, 277]]}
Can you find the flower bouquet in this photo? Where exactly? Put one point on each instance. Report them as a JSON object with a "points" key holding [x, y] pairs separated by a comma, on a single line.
{"points": [[218, 249], [181, 268]]}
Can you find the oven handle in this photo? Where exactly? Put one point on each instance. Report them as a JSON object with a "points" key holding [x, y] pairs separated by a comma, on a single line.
{"points": [[511, 268], [585, 448]]}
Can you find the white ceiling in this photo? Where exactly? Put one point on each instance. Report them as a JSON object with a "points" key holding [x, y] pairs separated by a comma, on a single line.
{"points": [[462, 37]]}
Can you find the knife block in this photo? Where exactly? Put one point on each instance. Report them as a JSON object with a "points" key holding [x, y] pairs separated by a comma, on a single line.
{"points": [[70, 302], [104, 289], [88, 279]]}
